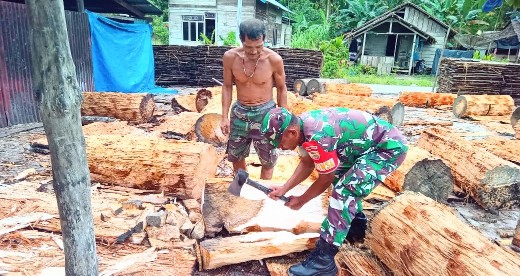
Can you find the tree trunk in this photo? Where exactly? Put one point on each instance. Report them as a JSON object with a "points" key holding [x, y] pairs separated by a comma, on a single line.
{"points": [[352, 89], [183, 103], [508, 149], [326, 85], [253, 210], [426, 99], [300, 86], [137, 107], [424, 173], [515, 122], [492, 181], [387, 109], [207, 130], [353, 261], [414, 235], [59, 99], [218, 252], [483, 105]]}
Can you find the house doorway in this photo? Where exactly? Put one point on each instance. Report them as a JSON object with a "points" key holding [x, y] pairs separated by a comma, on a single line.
{"points": [[210, 26], [390, 45]]}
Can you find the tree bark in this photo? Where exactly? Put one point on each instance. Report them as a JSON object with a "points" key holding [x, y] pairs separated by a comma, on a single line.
{"points": [[354, 261], [483, 105], [218, 252], [426, 99], [414, 235], [202, 98], [387, 109], [59, 99], [300, 86], [508, 149], [492, 181], [515, 122], [137, 107], [422, 172]]}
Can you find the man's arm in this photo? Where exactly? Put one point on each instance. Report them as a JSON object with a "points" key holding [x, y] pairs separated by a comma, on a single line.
{"points": [[279, 78], [319, 186], [304, 169], [227, 89]]}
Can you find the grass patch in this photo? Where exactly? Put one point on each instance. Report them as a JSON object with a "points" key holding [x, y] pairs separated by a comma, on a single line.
{"points": [[393, 80]]}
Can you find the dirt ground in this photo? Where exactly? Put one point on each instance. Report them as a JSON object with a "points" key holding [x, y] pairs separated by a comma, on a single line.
{"points": [[16, 157]]}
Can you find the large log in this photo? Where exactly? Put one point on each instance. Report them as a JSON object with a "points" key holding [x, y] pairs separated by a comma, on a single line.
{"points": [[515, 122], [218, 252], [508, 149], [253, 211], [182, 103], [302, 106], [415, 235], [422, 172], [207, 129], [300, 86], [178, 168], [483, 105], [426, 99], [182, 123], [134, 107], [321, 85], [516, 237], [387, 109], [352, 89], [492, 181], [353, 261]]}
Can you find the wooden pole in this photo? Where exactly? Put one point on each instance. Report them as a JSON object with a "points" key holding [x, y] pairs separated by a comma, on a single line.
{"points": [[59, 99], [440, 59], [411, 57], [80, 4], [363, 49]]}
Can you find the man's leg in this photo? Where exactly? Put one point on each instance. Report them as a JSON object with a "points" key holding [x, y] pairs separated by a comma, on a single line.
{"points": [[268, 156], [240, 164], [239, 143]]}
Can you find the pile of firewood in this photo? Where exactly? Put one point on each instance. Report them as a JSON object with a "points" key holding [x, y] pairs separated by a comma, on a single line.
{"points": [[197, 65], [467, 77]]}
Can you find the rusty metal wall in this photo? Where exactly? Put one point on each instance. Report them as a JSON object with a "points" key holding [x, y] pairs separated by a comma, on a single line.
{"points": [[17, 102]]}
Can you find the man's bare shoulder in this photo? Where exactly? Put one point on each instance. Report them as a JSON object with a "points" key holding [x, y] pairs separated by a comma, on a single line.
{"points": [[232, 53], [273, 56]]}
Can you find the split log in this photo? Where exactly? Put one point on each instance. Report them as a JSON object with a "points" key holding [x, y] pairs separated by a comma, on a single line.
{"points": [[176, 167], [321, 85], [415, 235], [422, 172], [502, 147], [182, 103], [134, 107], [352, 89], [202, 98], [483, 105], [387, 109], [207, 130], [353, 261], [426, 99], [515, 122], [253, 210], [300, 86], [492, 181], [516, 237], [182, 123], [218, 252]]}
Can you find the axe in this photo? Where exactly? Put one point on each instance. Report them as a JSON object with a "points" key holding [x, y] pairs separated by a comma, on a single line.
{"points": [[241, 178]]}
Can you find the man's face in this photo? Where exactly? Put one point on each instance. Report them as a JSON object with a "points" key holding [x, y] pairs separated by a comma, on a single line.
{"points": [[253, 47], [290, 139]]}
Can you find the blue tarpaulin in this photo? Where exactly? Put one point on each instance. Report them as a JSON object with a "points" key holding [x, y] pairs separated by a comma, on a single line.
{"points": [[122, 56], [449, 54]]}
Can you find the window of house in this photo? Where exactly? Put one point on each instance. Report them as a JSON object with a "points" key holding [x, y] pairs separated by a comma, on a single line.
{"points": [[192, 26]]}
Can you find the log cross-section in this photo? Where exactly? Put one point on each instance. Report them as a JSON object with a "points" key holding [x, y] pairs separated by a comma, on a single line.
{"points": [[492, 181], [483, 105], [515, 122], [135, 107]]}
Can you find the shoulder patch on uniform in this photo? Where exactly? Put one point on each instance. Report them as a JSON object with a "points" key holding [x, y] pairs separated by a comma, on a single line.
{"points": [[324, 161]]}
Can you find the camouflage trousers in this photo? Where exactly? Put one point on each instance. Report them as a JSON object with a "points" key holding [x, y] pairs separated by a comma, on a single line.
{"points": [[354, 182]]}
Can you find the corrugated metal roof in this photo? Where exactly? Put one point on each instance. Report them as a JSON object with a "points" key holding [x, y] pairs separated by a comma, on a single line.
{"points": [[273, 2]]}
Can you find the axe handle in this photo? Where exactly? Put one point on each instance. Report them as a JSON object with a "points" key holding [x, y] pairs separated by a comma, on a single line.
{"points": [[264, 189]]}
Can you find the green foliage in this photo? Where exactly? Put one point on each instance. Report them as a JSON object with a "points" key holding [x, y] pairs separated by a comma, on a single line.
{"points": [[160, 32], [206, 40], [335, 57], [392, 79], [230, 39], [476, 55]]}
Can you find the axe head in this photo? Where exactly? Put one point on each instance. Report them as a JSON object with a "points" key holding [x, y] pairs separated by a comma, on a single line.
{"points": [[238, 182]]}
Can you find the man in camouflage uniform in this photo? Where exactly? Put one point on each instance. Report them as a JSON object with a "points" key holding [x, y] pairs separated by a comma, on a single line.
{"points": [[352, 150]]}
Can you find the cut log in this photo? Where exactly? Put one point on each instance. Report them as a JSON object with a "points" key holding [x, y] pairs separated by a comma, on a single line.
{"points": [[134, 107], [515, 122], [302, 106], [178, 168], [516, 237], [182, 123], [502, 147], [415, 235], [352, 89], [387, 109], [483, 105], [300, 86], [353, 261], [320, 85], [426, 99], [253, 210], [182, 103], [202, 98], [422, 172], [220, 252], [207, 130], [492, 181]]}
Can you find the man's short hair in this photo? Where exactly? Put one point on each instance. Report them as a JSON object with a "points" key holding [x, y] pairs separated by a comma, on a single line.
{"points": [[253, 29]]}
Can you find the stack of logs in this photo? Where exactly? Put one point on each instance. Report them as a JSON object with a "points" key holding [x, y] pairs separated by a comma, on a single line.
{"points": [[124, 155], [197, 65], [466, 77]]}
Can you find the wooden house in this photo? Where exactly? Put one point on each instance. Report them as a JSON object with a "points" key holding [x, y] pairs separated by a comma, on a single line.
{"points": [[187, 19], [396, 40]]}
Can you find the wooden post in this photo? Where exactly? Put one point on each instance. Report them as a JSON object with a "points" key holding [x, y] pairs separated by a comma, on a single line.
{"points": [[59, 99], [440, 59], [413, 52], [363, 49], [80, 4]]}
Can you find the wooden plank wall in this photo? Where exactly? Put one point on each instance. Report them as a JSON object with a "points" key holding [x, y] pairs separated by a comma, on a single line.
{"points": [[383, 64]]}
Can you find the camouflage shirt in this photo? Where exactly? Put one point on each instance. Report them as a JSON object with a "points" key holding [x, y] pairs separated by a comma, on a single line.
{"points": [[342, 135]]}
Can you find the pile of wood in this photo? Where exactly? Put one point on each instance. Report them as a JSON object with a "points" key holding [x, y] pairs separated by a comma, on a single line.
{"points": [[483, 105], [309, 86], [466, 77], [197, 65]]}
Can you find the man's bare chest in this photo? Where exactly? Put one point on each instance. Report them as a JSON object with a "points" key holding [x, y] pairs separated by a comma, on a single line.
{"points": [[249, 72]]}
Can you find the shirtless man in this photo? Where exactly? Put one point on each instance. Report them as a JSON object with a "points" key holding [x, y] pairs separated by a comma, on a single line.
{"points": [[253, 68]]}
